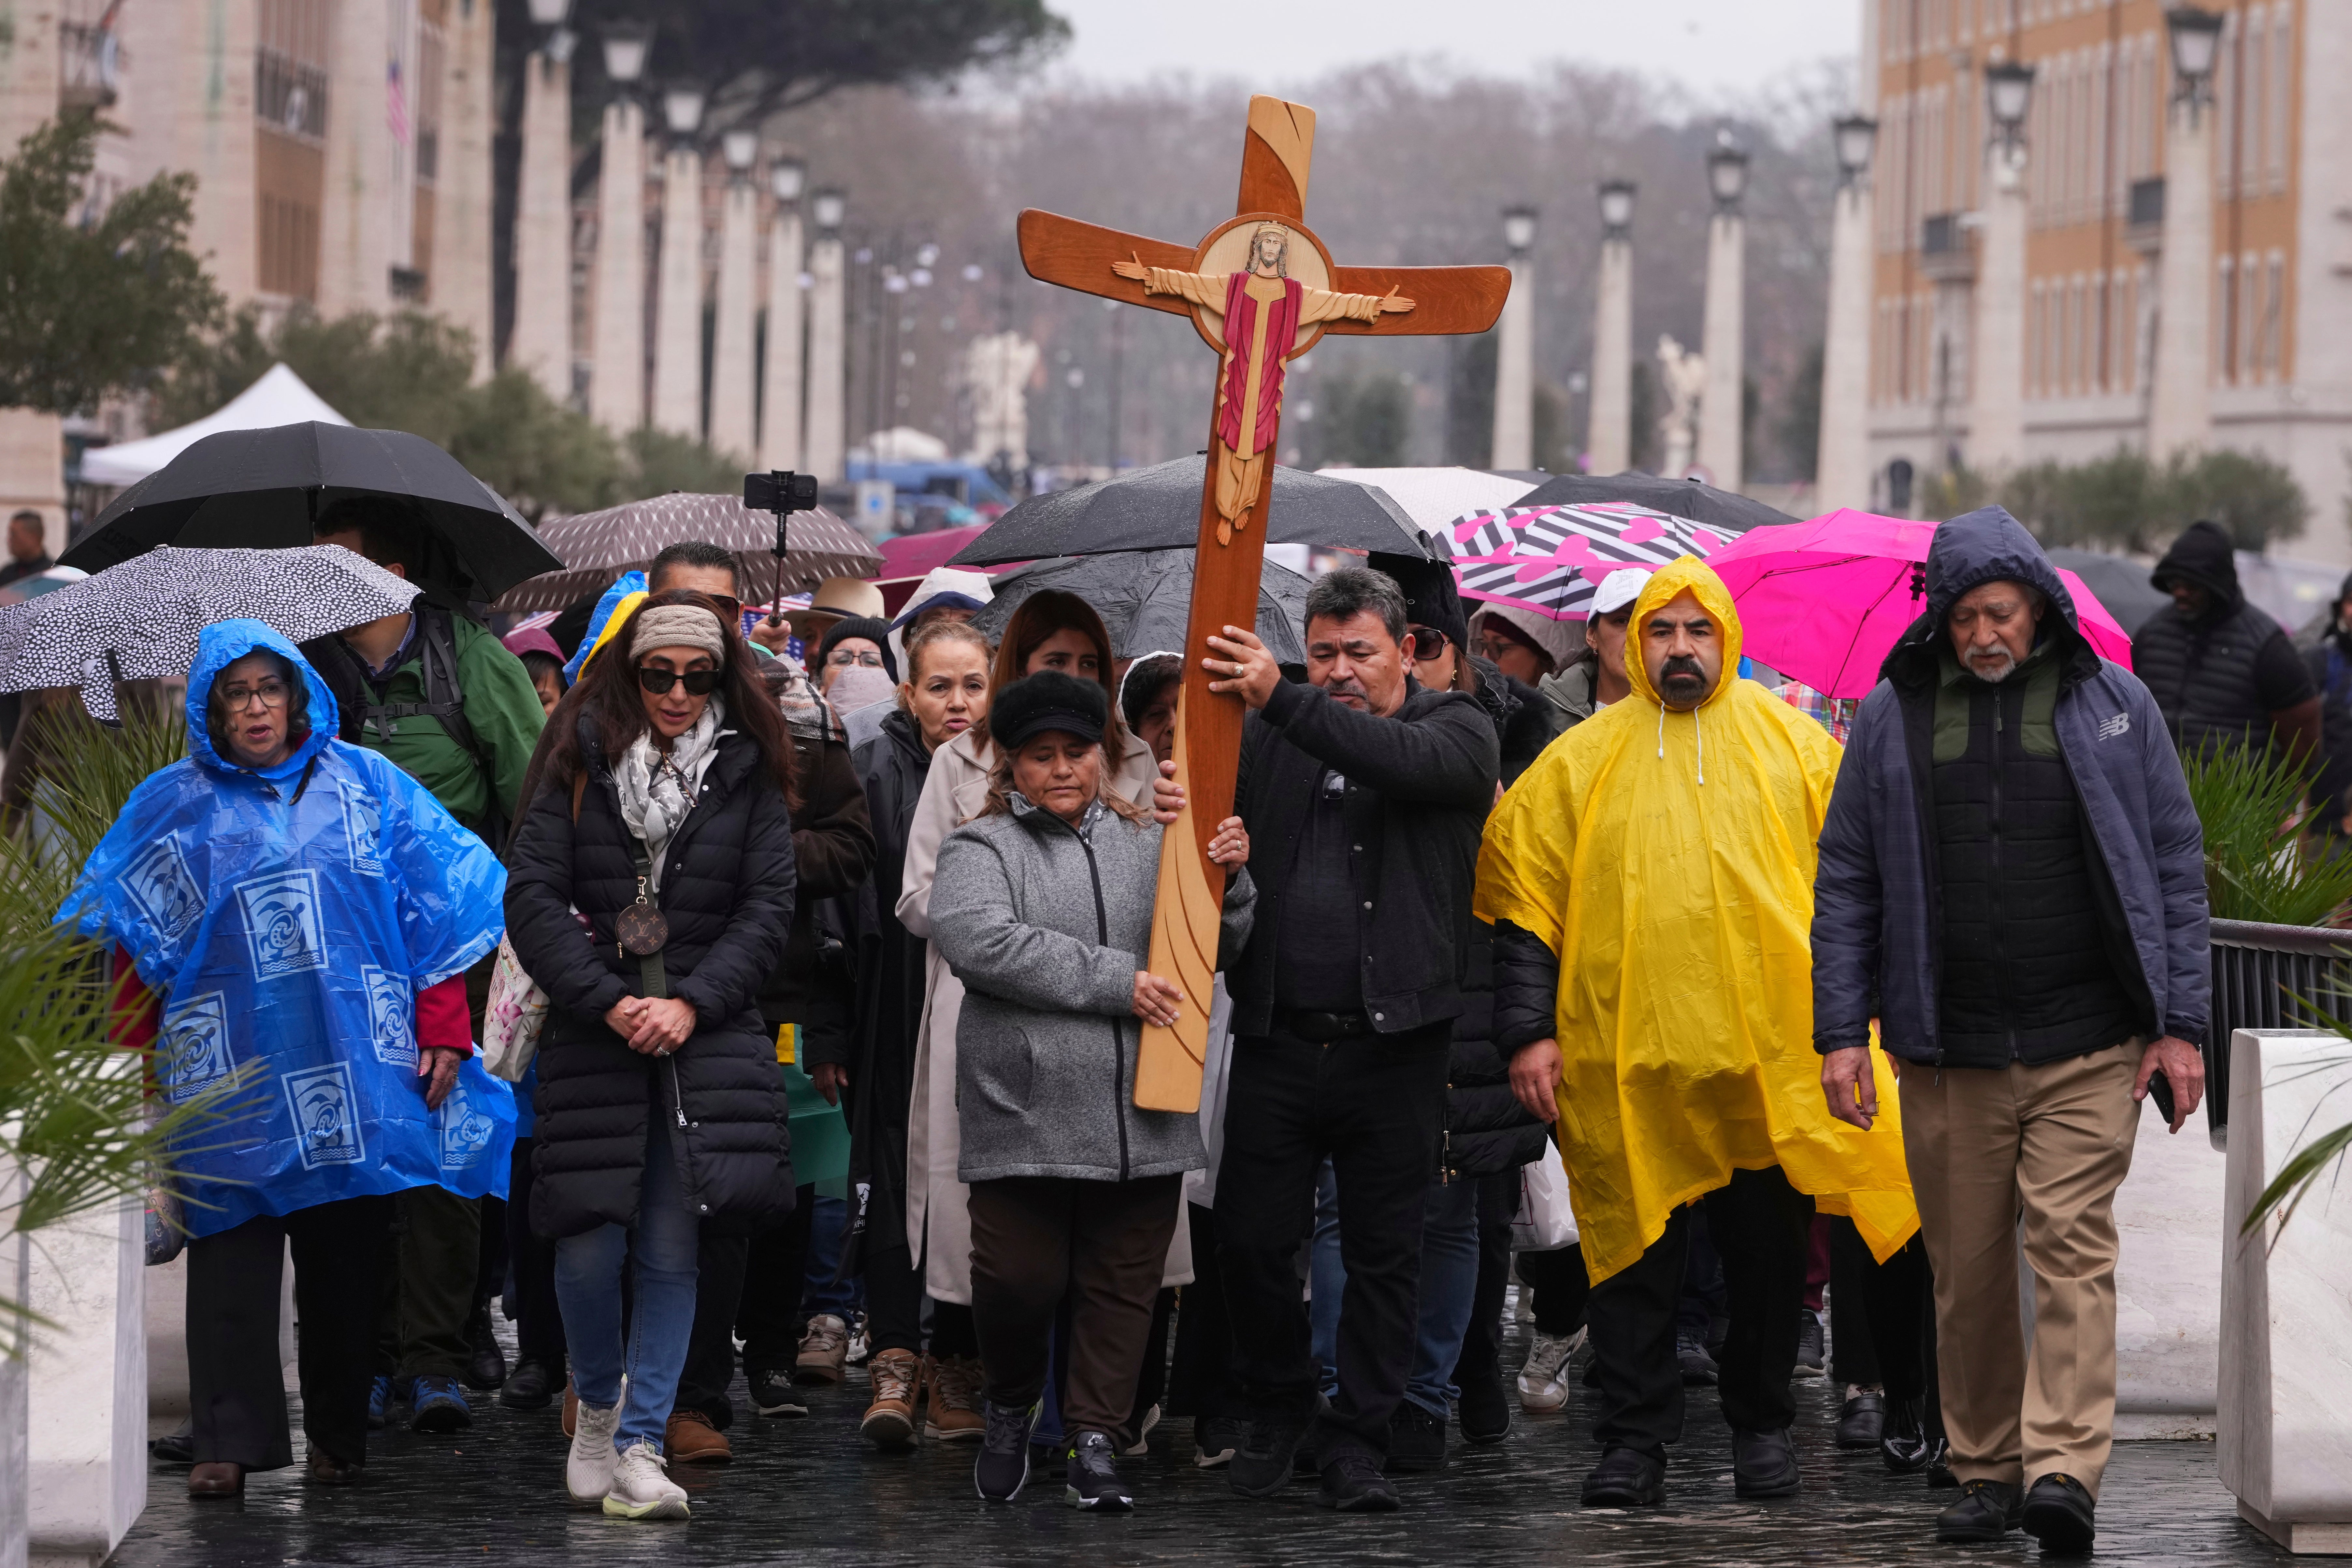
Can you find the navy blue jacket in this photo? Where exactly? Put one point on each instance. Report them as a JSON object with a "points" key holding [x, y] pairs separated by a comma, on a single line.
{"points": [[1876, 920]]}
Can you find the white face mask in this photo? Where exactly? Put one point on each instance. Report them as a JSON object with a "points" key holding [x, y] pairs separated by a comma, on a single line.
{"points": [[856, 687]]}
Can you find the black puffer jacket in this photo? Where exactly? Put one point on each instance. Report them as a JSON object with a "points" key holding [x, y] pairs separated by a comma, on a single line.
{"points": [[890, 966], [2206, 674], [727, 891]]}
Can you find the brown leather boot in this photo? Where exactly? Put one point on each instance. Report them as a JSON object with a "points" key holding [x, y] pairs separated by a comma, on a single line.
{"points": [[327, 1469], [692, 1440], [898, 1378], [952, 1386], [217, 1478]]}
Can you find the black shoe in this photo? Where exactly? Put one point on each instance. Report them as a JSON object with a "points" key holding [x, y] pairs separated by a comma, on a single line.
{"points": [[1261, 1465], [1416, 1440], [1090, 1476], [1002, 1468], [1590, 1377], [1809, 1355], [531, 1385], [1485, 1411], [1763, 1464], [773, 1393], [1902, 1440], [1352, 1483], [1626, 1478], [1699, 1370], [1987, 1511], [486, 1361], [177, 1447], [2060, 1514], [1862, 1421], [1939, 1466]]}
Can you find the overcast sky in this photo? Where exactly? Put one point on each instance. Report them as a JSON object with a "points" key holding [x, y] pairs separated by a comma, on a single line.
{"points": [[1711, 46]]}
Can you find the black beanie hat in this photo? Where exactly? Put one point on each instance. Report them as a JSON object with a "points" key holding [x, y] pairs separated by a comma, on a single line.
{"points": [[1047, 701], [877, 632], [1431, 596]]}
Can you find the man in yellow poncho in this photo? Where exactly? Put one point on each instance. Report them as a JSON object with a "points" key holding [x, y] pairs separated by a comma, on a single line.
{"points": [[1650, 883]]}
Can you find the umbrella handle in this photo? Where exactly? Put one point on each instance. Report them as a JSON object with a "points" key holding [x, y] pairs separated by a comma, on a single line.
{"points": [[114, 672]]}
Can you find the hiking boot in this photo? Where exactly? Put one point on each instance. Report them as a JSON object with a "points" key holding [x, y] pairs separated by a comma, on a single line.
{"points": [[1987, 1511], [1090, 1476], [588, 1468], [641, 1488], [1214, 1440], [1352, 1483], [1416, 1440], [952, 1395], [1699, 1370], [773, 1394], [485, 1360], [1811, 1349], [1543, 1380], [691, 1438], [1763, 1464], [327, 1470], [824, 1347], [2059, 1513], [1862, 1420], [529, 1386], [436, 1404], [897, 1376], [1484, 1410], [1261, 1465], [1002, 1468], [1626, 1478], [379, 1402]]}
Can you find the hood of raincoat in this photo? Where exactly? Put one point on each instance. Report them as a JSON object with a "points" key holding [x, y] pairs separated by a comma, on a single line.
{"points": [[222, 644], [612, 612], [1676, 886], [1987, 545], [2205, 556], [1687, 575]]}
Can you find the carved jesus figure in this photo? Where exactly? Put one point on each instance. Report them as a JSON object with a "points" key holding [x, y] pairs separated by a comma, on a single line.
{"points": [[1263, 310]]}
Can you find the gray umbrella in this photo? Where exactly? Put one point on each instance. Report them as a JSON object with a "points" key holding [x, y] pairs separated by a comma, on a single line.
{"points": [[1159, 508], [140, 620], [1146, 598], [597, 546], [2122, 586]]}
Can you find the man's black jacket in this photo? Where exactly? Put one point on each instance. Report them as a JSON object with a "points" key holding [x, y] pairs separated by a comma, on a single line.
{"points": [[1419, 786]]}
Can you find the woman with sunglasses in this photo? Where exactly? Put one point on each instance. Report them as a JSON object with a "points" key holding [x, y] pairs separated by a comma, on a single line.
{"points": [[650, 892]]}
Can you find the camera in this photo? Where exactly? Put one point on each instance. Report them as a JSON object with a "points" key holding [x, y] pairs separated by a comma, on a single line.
{"points": [[779, 491]]}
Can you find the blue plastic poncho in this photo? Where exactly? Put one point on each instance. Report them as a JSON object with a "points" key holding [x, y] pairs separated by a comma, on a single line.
{"points": [[288, 916], [626, 583]]}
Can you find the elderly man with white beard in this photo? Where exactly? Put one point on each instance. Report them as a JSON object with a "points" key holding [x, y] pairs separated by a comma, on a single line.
{"points": [[2013, 874]]}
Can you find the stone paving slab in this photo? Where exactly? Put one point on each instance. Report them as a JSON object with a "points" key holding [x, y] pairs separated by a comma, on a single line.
{"points": [[810, 1492]]}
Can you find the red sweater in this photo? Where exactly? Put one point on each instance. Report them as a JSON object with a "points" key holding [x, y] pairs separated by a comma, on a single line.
{"points": [[442, 1022]]}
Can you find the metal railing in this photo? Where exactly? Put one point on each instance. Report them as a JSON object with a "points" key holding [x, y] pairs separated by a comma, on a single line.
{"points": [[2269, 977]]}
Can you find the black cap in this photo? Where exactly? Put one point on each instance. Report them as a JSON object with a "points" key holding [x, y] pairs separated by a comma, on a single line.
{"points": [[873, 630], [1431, 596], [1048, 701]]}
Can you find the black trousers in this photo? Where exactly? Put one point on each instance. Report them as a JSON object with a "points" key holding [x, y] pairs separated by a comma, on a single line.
{"points": [[1877, 1312], [748, 1282], [1561, 1287], [1201, 1381], [894, 1299], [1481, 1360], [235, 1380], [1376, 1108], [539, 1321], [426, 1294], [1761, 1226]]}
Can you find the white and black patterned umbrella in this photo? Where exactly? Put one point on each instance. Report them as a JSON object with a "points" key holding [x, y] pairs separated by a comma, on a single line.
{"points": [[597, 546], [1550, 559], [140, 620]]}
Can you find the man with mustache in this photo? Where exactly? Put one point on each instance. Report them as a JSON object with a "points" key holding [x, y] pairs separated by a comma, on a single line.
{"points": [[1650, 882], [1367, 790]]}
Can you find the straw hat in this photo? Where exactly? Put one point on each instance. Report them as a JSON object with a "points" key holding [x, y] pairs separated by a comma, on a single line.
{"points": [[837, 598]]}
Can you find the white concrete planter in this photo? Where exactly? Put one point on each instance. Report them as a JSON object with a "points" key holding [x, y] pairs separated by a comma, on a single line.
{"points": [[87, 1423], [15, 1376], [2286, 1298], [2167, 1283]]}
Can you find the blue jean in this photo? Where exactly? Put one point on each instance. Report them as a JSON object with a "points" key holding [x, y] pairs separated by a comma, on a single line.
{"points": [[661, 1318], [828, 1226], [1449, 1286]]}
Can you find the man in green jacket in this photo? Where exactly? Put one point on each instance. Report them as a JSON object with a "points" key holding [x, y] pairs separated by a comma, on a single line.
{"points": [[442, 699]]}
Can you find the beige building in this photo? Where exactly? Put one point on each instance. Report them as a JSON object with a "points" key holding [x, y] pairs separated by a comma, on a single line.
{"points": [[341, 150], [2277, 272]]}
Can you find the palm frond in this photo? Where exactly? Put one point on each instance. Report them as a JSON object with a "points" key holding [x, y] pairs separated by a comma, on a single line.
{"points": [[2255, 866]]}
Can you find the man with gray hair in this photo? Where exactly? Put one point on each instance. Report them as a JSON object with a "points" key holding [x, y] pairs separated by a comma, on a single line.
{"points": [[2011, 876], [1367, 793]]}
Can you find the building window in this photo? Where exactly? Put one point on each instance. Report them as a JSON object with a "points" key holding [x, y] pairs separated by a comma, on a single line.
{"points": [[2226, 295], [2274, 319], [290, 90], [2037, 342], [2281, 98]]}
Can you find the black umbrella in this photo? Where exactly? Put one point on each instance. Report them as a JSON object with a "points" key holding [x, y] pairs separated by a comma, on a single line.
{"points": [[2122, 586], [1146, 600], [1159, 508], [261, 489], [1679, 498]]}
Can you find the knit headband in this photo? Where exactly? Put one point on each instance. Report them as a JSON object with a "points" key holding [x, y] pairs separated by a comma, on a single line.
{"points": [[681, 625]]}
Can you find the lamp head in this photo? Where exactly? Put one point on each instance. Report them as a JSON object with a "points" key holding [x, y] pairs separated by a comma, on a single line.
{"points": [[1726, 172], [2196, 42], [740, 148], [1855, 137], [682, 108], [828, 207], [625, 47], [2009, 95], [787, 177], [550, 13], [1616, 206], [1519, 228]]}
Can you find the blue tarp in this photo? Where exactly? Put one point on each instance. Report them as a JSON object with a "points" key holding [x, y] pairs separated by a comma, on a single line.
{"points": [[288, 917]]}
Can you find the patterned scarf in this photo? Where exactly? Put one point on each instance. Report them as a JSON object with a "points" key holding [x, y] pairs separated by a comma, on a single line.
{"points": [[657, 787]]}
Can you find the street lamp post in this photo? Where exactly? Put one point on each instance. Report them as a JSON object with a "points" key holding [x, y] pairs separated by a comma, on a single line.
{"points": [[828, 388], [677, 308], [2179, 414], [779, 399], [541, 340], [1841, 465], [1609, 438], [1515, 350], [616, 381], [1722, 332], [733, 415], [1997, 407]]}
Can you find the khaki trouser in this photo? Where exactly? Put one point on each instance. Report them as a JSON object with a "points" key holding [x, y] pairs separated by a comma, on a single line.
{"points": [[2051, 1143]]}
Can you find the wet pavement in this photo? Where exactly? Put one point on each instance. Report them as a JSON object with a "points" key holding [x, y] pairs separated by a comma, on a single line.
{"points": [[810, 1492]]}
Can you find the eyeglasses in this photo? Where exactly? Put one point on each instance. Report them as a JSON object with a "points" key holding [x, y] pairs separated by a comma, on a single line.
{"points": [[269, 693], [1428, 642], [698, 682], [844, 657], [730, 608]]}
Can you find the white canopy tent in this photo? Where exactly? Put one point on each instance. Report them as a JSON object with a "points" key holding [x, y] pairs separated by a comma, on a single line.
{"points": [[280, 398]]}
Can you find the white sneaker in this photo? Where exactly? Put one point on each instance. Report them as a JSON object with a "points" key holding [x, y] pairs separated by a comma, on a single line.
{"points": [[588, 1468], [1543, 1381], [641, 1490]]}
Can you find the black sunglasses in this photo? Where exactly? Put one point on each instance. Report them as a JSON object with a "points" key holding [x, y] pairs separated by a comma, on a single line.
{"points": [[698, 682], [1428, 642]]}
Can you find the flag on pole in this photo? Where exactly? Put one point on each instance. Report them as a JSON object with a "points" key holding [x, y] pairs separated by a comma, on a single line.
{"points": [[395, 103]]}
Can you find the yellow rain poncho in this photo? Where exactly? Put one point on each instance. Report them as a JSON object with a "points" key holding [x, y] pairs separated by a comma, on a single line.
{"points": [[1668, 859]]}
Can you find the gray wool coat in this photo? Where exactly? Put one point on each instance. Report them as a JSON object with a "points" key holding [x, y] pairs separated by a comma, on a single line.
{"points": [[1046, 925]]}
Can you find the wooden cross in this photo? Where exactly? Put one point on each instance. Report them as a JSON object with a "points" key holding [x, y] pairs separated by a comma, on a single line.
{"points": [[1254, 276]]}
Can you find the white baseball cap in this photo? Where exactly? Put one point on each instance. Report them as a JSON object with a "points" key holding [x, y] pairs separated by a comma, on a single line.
{"points": [[1618, 589]]}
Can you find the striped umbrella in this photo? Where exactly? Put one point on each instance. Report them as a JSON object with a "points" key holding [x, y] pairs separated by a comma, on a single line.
{"points": [[1549, 559], [597, 546]]}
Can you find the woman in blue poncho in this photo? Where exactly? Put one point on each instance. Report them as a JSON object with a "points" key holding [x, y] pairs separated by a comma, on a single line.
{"points": [[303, 914]]}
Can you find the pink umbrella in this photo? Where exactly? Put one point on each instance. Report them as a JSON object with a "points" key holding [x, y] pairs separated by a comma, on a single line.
{"points": [[1825, 600]]}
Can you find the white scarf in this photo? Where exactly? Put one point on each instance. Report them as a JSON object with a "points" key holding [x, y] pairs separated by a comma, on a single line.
{"points": [[657, 787]]}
